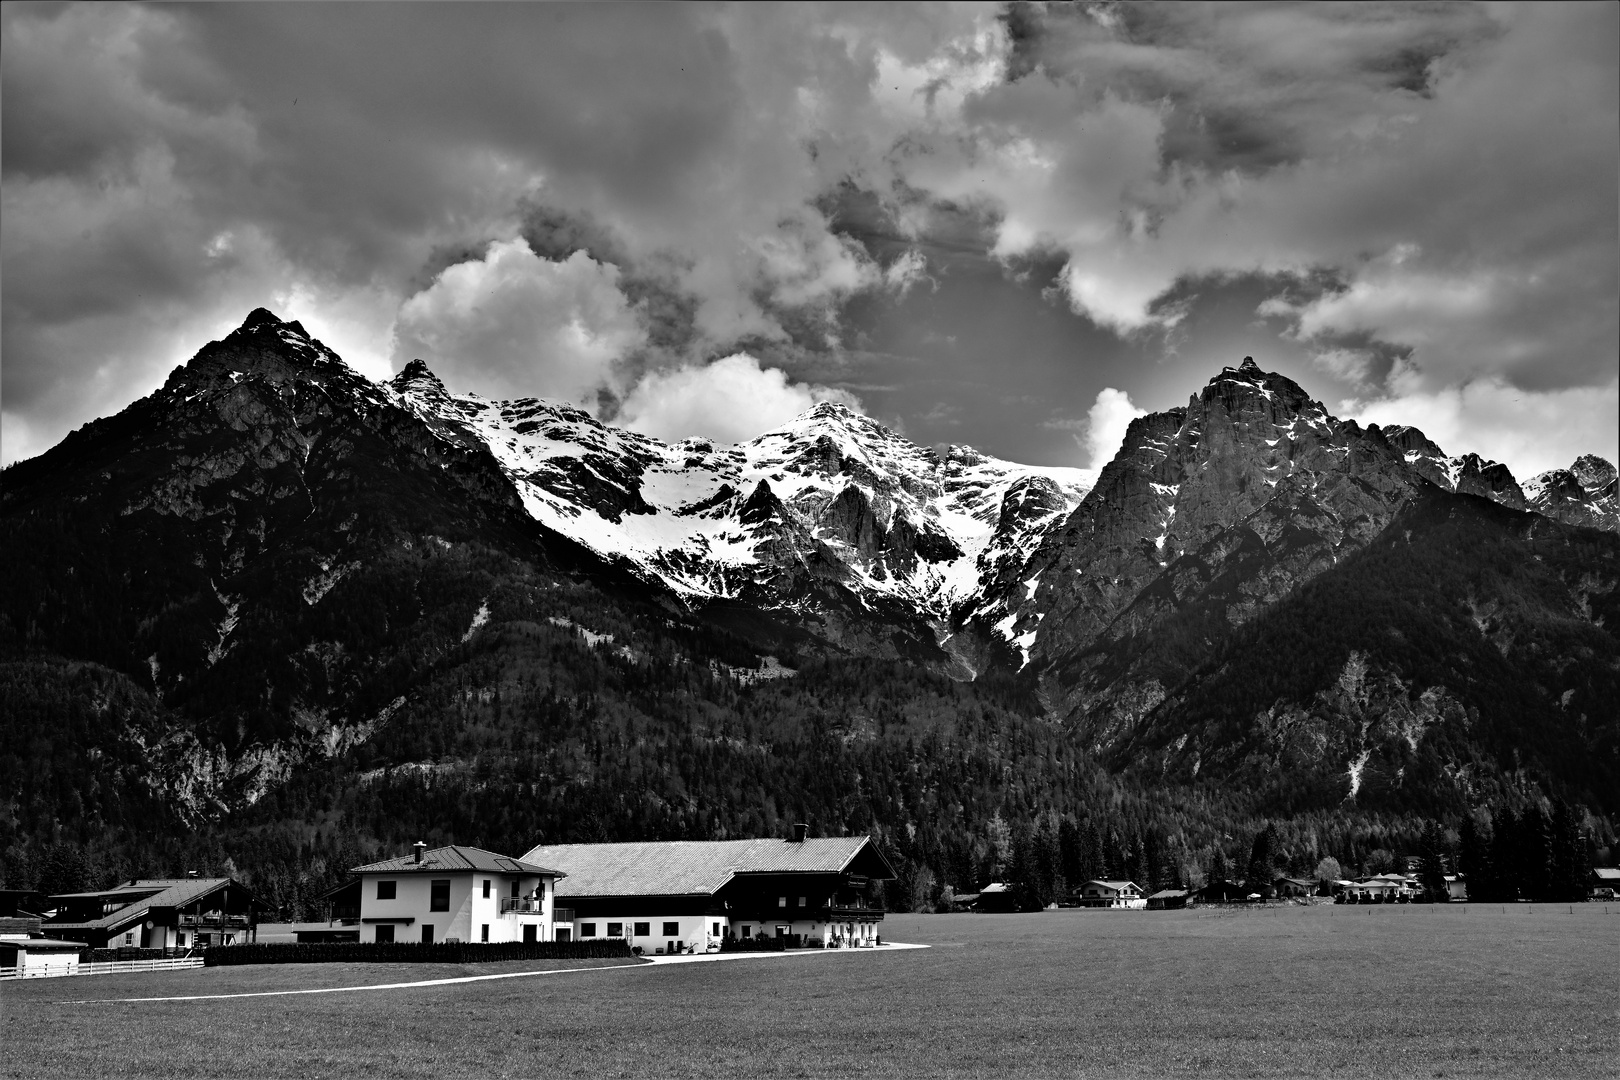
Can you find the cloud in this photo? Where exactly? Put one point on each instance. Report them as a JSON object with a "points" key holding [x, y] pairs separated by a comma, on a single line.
{"points": [[515, 325], [1106, 422], [728, 401], [1532, 431]]}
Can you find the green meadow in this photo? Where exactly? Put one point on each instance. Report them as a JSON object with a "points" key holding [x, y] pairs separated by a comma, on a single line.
{"points": [[1418, 991]]}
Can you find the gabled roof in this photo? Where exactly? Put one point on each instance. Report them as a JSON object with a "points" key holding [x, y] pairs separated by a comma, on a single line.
{"points": [[142, 896], [698, 867], [1168, 894], [1117, 886], [455, 859], [1606, 873]]}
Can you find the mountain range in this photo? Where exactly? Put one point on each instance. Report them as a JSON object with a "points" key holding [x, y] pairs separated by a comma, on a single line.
{"points": [[273, 569]]}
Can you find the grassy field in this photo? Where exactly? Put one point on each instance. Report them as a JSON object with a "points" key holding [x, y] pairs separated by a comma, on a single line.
{"points": [[1324, 991]]}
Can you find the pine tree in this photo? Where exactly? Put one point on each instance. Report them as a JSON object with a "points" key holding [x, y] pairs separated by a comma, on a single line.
{"points": [[1474, 860], [1258, 875], [1432, 872]]}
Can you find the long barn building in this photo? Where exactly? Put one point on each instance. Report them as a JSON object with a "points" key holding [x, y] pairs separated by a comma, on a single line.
{"points": [[690, 895]]}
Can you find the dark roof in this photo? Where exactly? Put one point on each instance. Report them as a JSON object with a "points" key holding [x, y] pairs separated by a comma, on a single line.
{"points": [[142, 896], [694, 867], [1168, 894], [43, 943], [455, 859]]}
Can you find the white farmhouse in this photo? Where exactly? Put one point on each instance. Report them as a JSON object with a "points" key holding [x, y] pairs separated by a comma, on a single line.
{"points": [[456, 894]]}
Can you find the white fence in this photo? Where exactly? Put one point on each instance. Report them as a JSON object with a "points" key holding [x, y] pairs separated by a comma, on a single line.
{"points": [[101, 967]]}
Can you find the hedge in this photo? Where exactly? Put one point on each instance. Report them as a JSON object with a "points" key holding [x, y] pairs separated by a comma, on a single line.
{"points": [[408, 952]]}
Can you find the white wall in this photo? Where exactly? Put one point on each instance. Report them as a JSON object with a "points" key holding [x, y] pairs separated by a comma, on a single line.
{"points": [[695, 930], [469, 910]]}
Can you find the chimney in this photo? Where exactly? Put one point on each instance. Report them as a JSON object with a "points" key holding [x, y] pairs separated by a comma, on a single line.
{"points": [[419, 847], [800, 831]]}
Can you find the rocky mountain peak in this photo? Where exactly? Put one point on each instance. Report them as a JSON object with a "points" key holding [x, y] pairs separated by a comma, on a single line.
{"points": [[1593, 472]]}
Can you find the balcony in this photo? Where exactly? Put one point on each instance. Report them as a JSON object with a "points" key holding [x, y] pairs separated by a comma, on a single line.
{"points": [[212, 922], [522, 905]]}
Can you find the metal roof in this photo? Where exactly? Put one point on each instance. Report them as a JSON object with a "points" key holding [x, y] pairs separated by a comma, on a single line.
{"points": [[455, 859], [692, 867], [143, 896]]}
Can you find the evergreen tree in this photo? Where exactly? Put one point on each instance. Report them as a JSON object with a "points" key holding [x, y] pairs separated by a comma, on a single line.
{"points": [[1504, 861], [1432, 871], [1218, 870], [1474, 860], [1262, 857]]}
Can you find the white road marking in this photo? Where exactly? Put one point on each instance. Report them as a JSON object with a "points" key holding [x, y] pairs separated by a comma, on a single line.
{"points": [[655, 961]]}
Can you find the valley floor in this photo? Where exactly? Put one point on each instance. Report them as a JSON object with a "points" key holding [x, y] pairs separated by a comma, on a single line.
{"points": [[1464, 990]]}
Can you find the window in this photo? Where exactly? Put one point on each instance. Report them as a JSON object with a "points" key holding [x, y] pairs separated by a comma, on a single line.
{"points": [[748, 931], [486, 888], [385, 890], [129, 939], [180, 939], [563, 934], [615, 929], [716, 931], [439, 898], [427, 933], [781, 901], [672, 929], [385, 932], [514, 889], [801, 901], [643, 929], [587, 929], [483, 929]]}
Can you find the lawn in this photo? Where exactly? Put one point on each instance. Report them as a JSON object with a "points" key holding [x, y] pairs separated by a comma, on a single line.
{"points": [[1329, 991]]}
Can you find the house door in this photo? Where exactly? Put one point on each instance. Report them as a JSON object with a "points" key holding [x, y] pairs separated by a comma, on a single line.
{"points": [[427, 933], [529, 933]]}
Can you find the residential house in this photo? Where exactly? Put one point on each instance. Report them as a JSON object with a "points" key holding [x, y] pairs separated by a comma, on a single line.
{"points": [[1605, 882], [1287, 886], [1111, 894], [1456, 886], [158, 913], [458, 893], [691, 895]]}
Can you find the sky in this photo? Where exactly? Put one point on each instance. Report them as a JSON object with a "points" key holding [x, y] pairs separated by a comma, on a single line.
{"points": [[1012, 227]]}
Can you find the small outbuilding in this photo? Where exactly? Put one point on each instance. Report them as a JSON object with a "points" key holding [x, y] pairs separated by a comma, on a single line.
{"points": [[1168, 900], [997, 897], [1605, 882]]}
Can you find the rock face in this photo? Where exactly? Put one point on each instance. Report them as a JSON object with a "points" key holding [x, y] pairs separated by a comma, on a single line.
{"points": [[269, 543], [1586, 493]]}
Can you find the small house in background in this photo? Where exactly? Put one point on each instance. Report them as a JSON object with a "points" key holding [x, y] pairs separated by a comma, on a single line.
{"points": [[1112, 894], [157, 913], [1168, 899], [1456, 887], [22, 903], [1605, 882], [455, 893], [1287, 886], [997, 897], [1222, 891], [25, 952]]}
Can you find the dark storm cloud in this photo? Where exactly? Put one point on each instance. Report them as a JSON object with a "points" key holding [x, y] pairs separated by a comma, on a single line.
{"points": [[857, 195]]}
